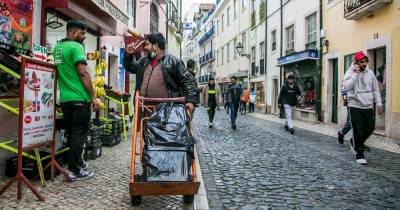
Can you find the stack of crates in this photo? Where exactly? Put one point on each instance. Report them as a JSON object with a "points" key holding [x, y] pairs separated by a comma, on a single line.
{"points": [[93, 144], [111, 132]]}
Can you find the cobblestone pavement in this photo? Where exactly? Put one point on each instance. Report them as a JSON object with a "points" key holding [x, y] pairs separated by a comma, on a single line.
{"points": [[108, 189], [261, 166]]}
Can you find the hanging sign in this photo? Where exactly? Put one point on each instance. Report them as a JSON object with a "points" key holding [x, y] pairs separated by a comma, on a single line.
{"points": [[39, 52]]}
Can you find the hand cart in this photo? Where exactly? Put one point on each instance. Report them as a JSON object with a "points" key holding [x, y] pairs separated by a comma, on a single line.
{"points": [[139, 188]]}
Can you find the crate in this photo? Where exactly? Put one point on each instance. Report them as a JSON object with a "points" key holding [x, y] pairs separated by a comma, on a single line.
{"points": [[92, 152], [110, 127], [110, 140]]}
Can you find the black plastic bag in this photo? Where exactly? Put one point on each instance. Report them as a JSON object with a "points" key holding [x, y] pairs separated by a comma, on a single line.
{"points": [[168, 149]]}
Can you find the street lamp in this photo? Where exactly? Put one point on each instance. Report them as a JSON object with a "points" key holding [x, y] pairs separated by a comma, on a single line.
{"points": [[239, 49]]}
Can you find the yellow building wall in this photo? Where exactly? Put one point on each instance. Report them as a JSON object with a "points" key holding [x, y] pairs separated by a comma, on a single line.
{"points": [[349, 36]]}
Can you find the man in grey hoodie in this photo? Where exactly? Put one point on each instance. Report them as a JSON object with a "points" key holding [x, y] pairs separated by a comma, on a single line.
{"points": [[362, 88]]}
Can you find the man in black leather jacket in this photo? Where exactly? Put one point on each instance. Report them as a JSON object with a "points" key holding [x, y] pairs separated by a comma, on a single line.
{"points": [[160, 74]]}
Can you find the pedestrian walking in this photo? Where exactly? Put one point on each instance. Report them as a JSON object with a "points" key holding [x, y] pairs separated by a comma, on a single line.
{"points": [[77, 97], [210, 99], [227, 99], [190, 67], [362, 88], [235, 92], [347, 126], [244, 99], [160, 74], [288, 98], [252, 100]]}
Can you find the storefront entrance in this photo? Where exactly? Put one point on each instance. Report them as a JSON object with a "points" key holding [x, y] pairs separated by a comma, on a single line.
{"points": [[378, 64]]}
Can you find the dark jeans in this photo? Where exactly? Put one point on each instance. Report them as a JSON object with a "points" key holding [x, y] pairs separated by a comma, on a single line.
{"points": [[363, 123], [234, 111], [211, 112], [251, 107], [347, 126], [76, 118]]}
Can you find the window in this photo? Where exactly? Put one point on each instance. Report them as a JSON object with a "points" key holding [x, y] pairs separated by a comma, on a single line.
{"points": [[348, 59], [228, 52], [253, 61], [273, 40], [262, 58], [153, 19], [290, 40], [253, 6], [217, 57], [234, 49], [222, 23], [217, 27], [228, 16], [243, 6], [222, 55], [244, 42], [234, 8], [131, 10], [311, 31]]}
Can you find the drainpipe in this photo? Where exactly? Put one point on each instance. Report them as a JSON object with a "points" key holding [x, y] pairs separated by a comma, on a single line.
{"points": [[166, 26], [265, 57], [180, 25], [319, 75]]}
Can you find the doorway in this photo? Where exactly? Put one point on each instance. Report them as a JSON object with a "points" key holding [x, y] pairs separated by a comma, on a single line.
{"points": [[334, 91], [378, 65]]}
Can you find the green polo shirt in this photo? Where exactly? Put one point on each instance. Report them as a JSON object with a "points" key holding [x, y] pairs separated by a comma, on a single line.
{"points": [[67, 54]]}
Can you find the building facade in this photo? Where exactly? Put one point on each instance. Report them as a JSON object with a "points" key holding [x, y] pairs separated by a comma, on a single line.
{"points": [[374, 28]]}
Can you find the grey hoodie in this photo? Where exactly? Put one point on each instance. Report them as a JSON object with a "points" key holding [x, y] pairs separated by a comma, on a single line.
{"points": [[362, 89]]}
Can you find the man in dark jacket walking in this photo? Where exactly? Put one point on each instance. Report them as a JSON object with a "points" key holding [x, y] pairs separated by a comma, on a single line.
{"points": [[235, 92], [288, 98], [159, 74]]}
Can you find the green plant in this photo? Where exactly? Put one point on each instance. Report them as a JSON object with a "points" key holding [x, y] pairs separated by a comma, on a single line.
{"points": [[262, 11], [253, 19]]}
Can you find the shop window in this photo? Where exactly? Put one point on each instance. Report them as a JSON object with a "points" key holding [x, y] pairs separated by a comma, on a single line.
{"points": [[306, 80]]}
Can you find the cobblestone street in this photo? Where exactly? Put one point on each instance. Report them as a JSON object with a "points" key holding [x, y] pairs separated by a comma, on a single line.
{"points": [[108, 189], [261, 166]]}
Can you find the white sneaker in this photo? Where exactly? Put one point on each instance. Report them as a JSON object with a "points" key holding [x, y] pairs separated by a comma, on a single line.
{"points": [[361, 161], [210, 125]]}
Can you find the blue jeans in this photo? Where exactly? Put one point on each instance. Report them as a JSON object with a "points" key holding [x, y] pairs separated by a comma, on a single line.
{"points": [[234, 111], [347, 126]]}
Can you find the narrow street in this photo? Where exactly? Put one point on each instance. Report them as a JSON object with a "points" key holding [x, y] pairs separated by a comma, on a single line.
{"points": [[261, 166]]}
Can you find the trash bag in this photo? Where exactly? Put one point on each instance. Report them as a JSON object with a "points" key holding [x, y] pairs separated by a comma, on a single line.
{"points": [[168, 145], [168, 127]]}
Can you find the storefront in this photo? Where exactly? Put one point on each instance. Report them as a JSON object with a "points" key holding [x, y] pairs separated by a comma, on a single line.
{"points": [[259, 89], [303, 66]]}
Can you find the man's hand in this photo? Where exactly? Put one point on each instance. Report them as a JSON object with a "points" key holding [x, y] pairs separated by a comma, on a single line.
{"points": [[95, 104], [356, 68], [379, 109], [190, 107], [130, 49]]}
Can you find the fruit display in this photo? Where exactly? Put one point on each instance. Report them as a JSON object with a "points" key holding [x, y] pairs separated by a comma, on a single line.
{"points": [[100, 80]]}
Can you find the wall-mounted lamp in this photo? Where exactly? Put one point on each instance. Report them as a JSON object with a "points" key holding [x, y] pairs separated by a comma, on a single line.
{"points": [[54, 23], [239, 49]]}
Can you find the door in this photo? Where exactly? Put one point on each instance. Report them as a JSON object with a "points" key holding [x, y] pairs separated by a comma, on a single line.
{"points": [[379, 68], [334, 91]]}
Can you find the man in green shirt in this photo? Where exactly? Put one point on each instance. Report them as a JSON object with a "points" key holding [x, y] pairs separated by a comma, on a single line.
{"points": [[76, 94]]}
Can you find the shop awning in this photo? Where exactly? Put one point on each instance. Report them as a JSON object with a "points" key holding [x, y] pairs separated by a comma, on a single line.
{"points": [[97, 18], [300, 56]]}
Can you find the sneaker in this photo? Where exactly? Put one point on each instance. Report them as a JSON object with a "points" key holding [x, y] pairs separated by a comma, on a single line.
{"points": [[210, 125], [234, 126], [291, 131], [82, 175], [360, 159], [352, 145], [340, 137]]}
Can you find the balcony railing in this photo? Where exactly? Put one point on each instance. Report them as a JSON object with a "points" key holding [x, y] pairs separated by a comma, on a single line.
{"points": [[289, 51], [355, 9], [206, 58], [207, 35], [311, 45]]}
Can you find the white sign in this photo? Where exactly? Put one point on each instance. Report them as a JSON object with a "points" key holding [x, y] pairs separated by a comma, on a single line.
{"points": [[38, 108], [39, 52]]}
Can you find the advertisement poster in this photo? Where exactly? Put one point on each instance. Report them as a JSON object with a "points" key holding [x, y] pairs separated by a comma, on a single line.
{"points": [[38, 107], [16, 25]]}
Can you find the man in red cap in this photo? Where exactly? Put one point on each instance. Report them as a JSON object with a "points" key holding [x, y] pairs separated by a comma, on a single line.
{"points": [[362, 89]]}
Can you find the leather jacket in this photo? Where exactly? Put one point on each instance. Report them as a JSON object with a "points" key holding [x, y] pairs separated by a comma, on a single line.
{"points": [[177, 79]]}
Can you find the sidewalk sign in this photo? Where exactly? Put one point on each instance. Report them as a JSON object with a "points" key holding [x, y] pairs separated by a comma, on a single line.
{"points": [[37, 97]]}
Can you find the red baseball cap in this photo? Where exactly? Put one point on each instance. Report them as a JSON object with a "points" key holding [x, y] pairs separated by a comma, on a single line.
{"points": [[359, 56]]}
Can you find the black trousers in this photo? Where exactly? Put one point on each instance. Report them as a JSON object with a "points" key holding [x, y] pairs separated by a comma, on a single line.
{"points": [[77, 119], [363, 123], [211, 112]]}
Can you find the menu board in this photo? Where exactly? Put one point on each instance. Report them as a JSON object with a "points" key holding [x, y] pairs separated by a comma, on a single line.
{"points": [[38, 112]]}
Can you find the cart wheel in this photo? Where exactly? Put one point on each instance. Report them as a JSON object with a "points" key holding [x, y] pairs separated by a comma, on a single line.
{"points": [[188, 199], [136, 200]]}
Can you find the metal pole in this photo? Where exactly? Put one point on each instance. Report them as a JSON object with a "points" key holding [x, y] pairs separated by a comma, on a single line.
{"points": [[319, 75], [265, 57], [281, 46]]}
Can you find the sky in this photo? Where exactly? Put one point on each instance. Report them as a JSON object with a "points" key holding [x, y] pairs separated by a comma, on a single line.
{"points": [[187, 3]]}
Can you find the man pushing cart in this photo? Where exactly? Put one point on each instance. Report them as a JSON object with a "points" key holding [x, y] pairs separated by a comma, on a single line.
{"points": [[165, 97]]}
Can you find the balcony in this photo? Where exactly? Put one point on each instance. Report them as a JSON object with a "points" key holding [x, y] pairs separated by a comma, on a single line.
{"points": [[290, 51], [356, 9], [311, 45], [208, 57], [207, 35]]}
